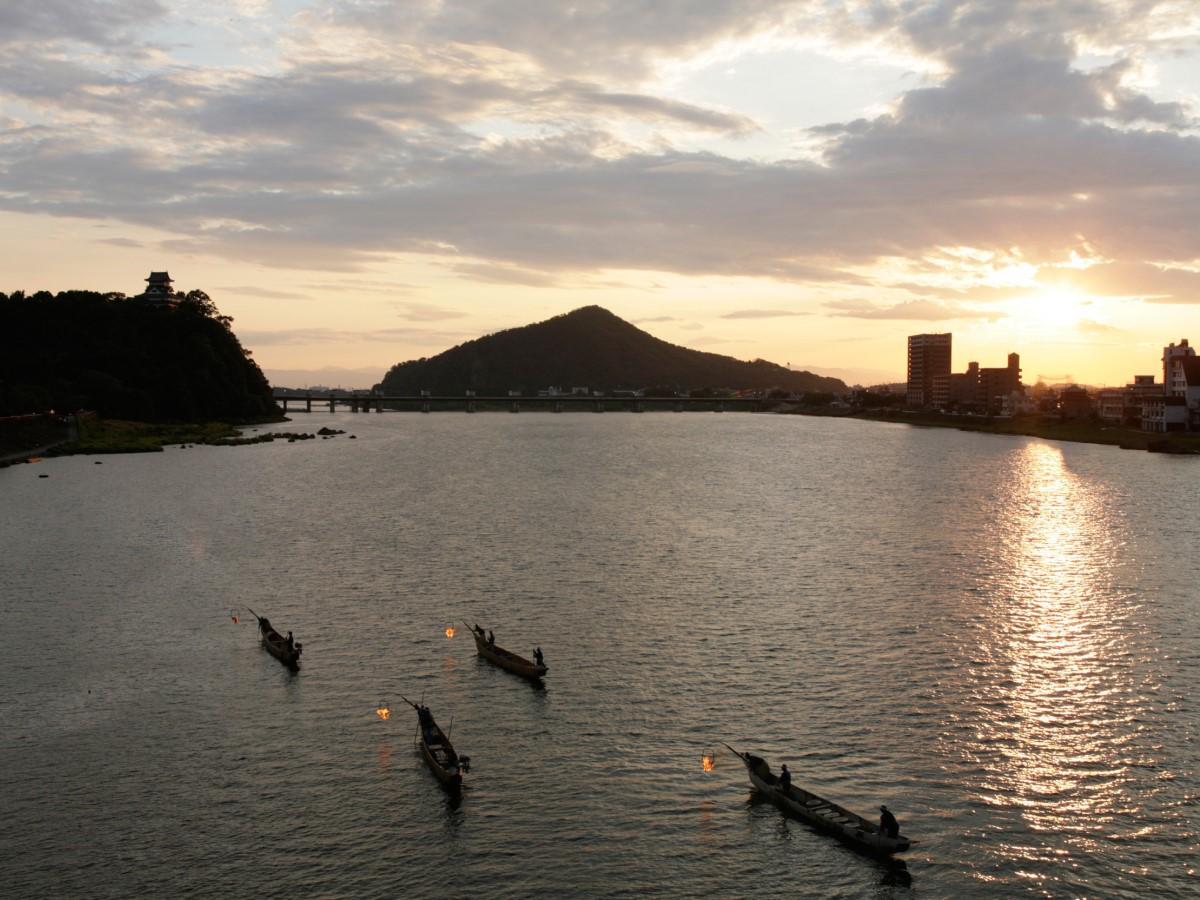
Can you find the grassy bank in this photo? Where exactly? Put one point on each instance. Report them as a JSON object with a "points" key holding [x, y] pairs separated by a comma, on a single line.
{"points": [[99, 436], [122, 436], [1088, 431]]}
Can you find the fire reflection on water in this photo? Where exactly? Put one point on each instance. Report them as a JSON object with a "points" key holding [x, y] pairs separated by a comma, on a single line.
{"points": [[1058, 681]]}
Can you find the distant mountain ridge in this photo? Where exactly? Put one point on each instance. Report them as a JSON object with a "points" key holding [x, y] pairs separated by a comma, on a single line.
{"points": [[589, 347]]}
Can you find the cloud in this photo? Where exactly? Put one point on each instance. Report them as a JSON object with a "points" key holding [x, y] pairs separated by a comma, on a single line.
{"points": [[918, 310], [763, 314], [533, 143], [101, 22], [613, 37], [1155, 283], [504, 274], [309, 336], [267, 293], [426, 312], [120, 242], [1089, 326]]}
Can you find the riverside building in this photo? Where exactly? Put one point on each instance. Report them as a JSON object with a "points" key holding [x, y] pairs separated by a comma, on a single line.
{"points": [[1173, 405], [988, 391], [928, 358]]}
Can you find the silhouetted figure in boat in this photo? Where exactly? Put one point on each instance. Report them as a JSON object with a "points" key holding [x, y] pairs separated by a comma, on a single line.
{"points": [[888, 825], [491, 638], [537, 656], [785, 780], [291, 642], [426, 720]]}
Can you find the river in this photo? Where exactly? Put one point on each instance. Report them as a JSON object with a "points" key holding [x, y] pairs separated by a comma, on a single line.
{"points": [[997, 637]]}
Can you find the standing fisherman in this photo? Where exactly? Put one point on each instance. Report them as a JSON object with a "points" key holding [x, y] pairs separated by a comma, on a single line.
{"points": [[888, 826]]}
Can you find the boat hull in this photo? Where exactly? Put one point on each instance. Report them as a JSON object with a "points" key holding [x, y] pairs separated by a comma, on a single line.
{"points": [[439, 755], [277, 645], [508, 660], [826, 816]]}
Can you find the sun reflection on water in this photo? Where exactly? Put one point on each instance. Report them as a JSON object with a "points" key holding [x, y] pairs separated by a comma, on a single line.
{"points": [[1055, 682]]}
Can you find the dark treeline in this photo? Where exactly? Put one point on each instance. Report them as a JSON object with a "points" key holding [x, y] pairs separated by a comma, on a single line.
{"points": [[126, 358], [591, 348]]}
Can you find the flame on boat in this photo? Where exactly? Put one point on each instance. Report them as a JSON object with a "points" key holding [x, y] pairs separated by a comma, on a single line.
{"points": [[451, 631], [383, 711], [709, 761]]}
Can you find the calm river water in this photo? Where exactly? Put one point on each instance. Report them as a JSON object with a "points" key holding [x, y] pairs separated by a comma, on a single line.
{"points": [[997, 637]]}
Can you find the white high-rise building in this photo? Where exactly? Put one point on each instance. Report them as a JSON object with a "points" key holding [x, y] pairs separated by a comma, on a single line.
{"points": [[1174, 380]]}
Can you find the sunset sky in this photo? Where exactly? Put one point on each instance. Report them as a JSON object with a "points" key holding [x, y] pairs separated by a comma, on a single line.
{"points": [[360, 182]]}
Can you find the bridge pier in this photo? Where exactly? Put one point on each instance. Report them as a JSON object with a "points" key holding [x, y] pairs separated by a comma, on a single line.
{"points": [[308, 403], [424, 406], [332, 404], [470, 406], [516, 406], [558, 406], [599, 407], [720, 406], [678, 406], [637, 406]]}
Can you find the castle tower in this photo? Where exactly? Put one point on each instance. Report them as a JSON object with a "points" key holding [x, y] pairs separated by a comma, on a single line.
{"points": [[158, 290]]}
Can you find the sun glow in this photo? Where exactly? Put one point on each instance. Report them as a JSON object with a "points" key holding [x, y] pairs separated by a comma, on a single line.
{"points": [[1050, 309]]}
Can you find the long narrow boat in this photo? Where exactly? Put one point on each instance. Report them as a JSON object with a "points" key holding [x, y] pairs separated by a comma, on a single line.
{"points": [[282, 648], [506, 659], [820, 813], [446, 765]]}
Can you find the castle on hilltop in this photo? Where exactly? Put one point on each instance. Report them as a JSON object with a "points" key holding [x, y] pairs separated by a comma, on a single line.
{"points": [[158, 290]]}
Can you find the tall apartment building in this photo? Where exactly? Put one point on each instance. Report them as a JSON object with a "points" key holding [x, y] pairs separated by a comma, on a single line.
{"points": [[928, 358]]}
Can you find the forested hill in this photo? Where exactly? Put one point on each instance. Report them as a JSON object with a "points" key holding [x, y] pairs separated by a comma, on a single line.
{"points": [[591, 348], [126, 358]]}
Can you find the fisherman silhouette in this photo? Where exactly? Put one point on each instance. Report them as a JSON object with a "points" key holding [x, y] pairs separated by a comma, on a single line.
{"points": [[888, 825]]}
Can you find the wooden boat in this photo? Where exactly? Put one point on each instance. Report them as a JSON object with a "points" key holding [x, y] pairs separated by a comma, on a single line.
{"points": [[820, 813], [283, 649], [446, 765], [506, 659]]}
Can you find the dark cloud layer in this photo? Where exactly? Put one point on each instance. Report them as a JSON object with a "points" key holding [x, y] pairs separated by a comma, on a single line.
{"points": [[332, 161]]}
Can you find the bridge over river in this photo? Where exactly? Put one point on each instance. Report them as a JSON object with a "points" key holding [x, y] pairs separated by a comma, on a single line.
{"points": [[292, 402]]}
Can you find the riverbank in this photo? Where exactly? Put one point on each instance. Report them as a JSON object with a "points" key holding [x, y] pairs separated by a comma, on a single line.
{"points": [[1077, 430], [91, 435]]}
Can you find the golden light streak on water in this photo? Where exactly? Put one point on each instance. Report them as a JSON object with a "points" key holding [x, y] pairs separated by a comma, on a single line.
{"points": [[1054, 636]]}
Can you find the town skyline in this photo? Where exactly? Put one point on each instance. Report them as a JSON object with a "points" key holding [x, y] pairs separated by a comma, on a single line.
{"points": [[779, 180]]}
